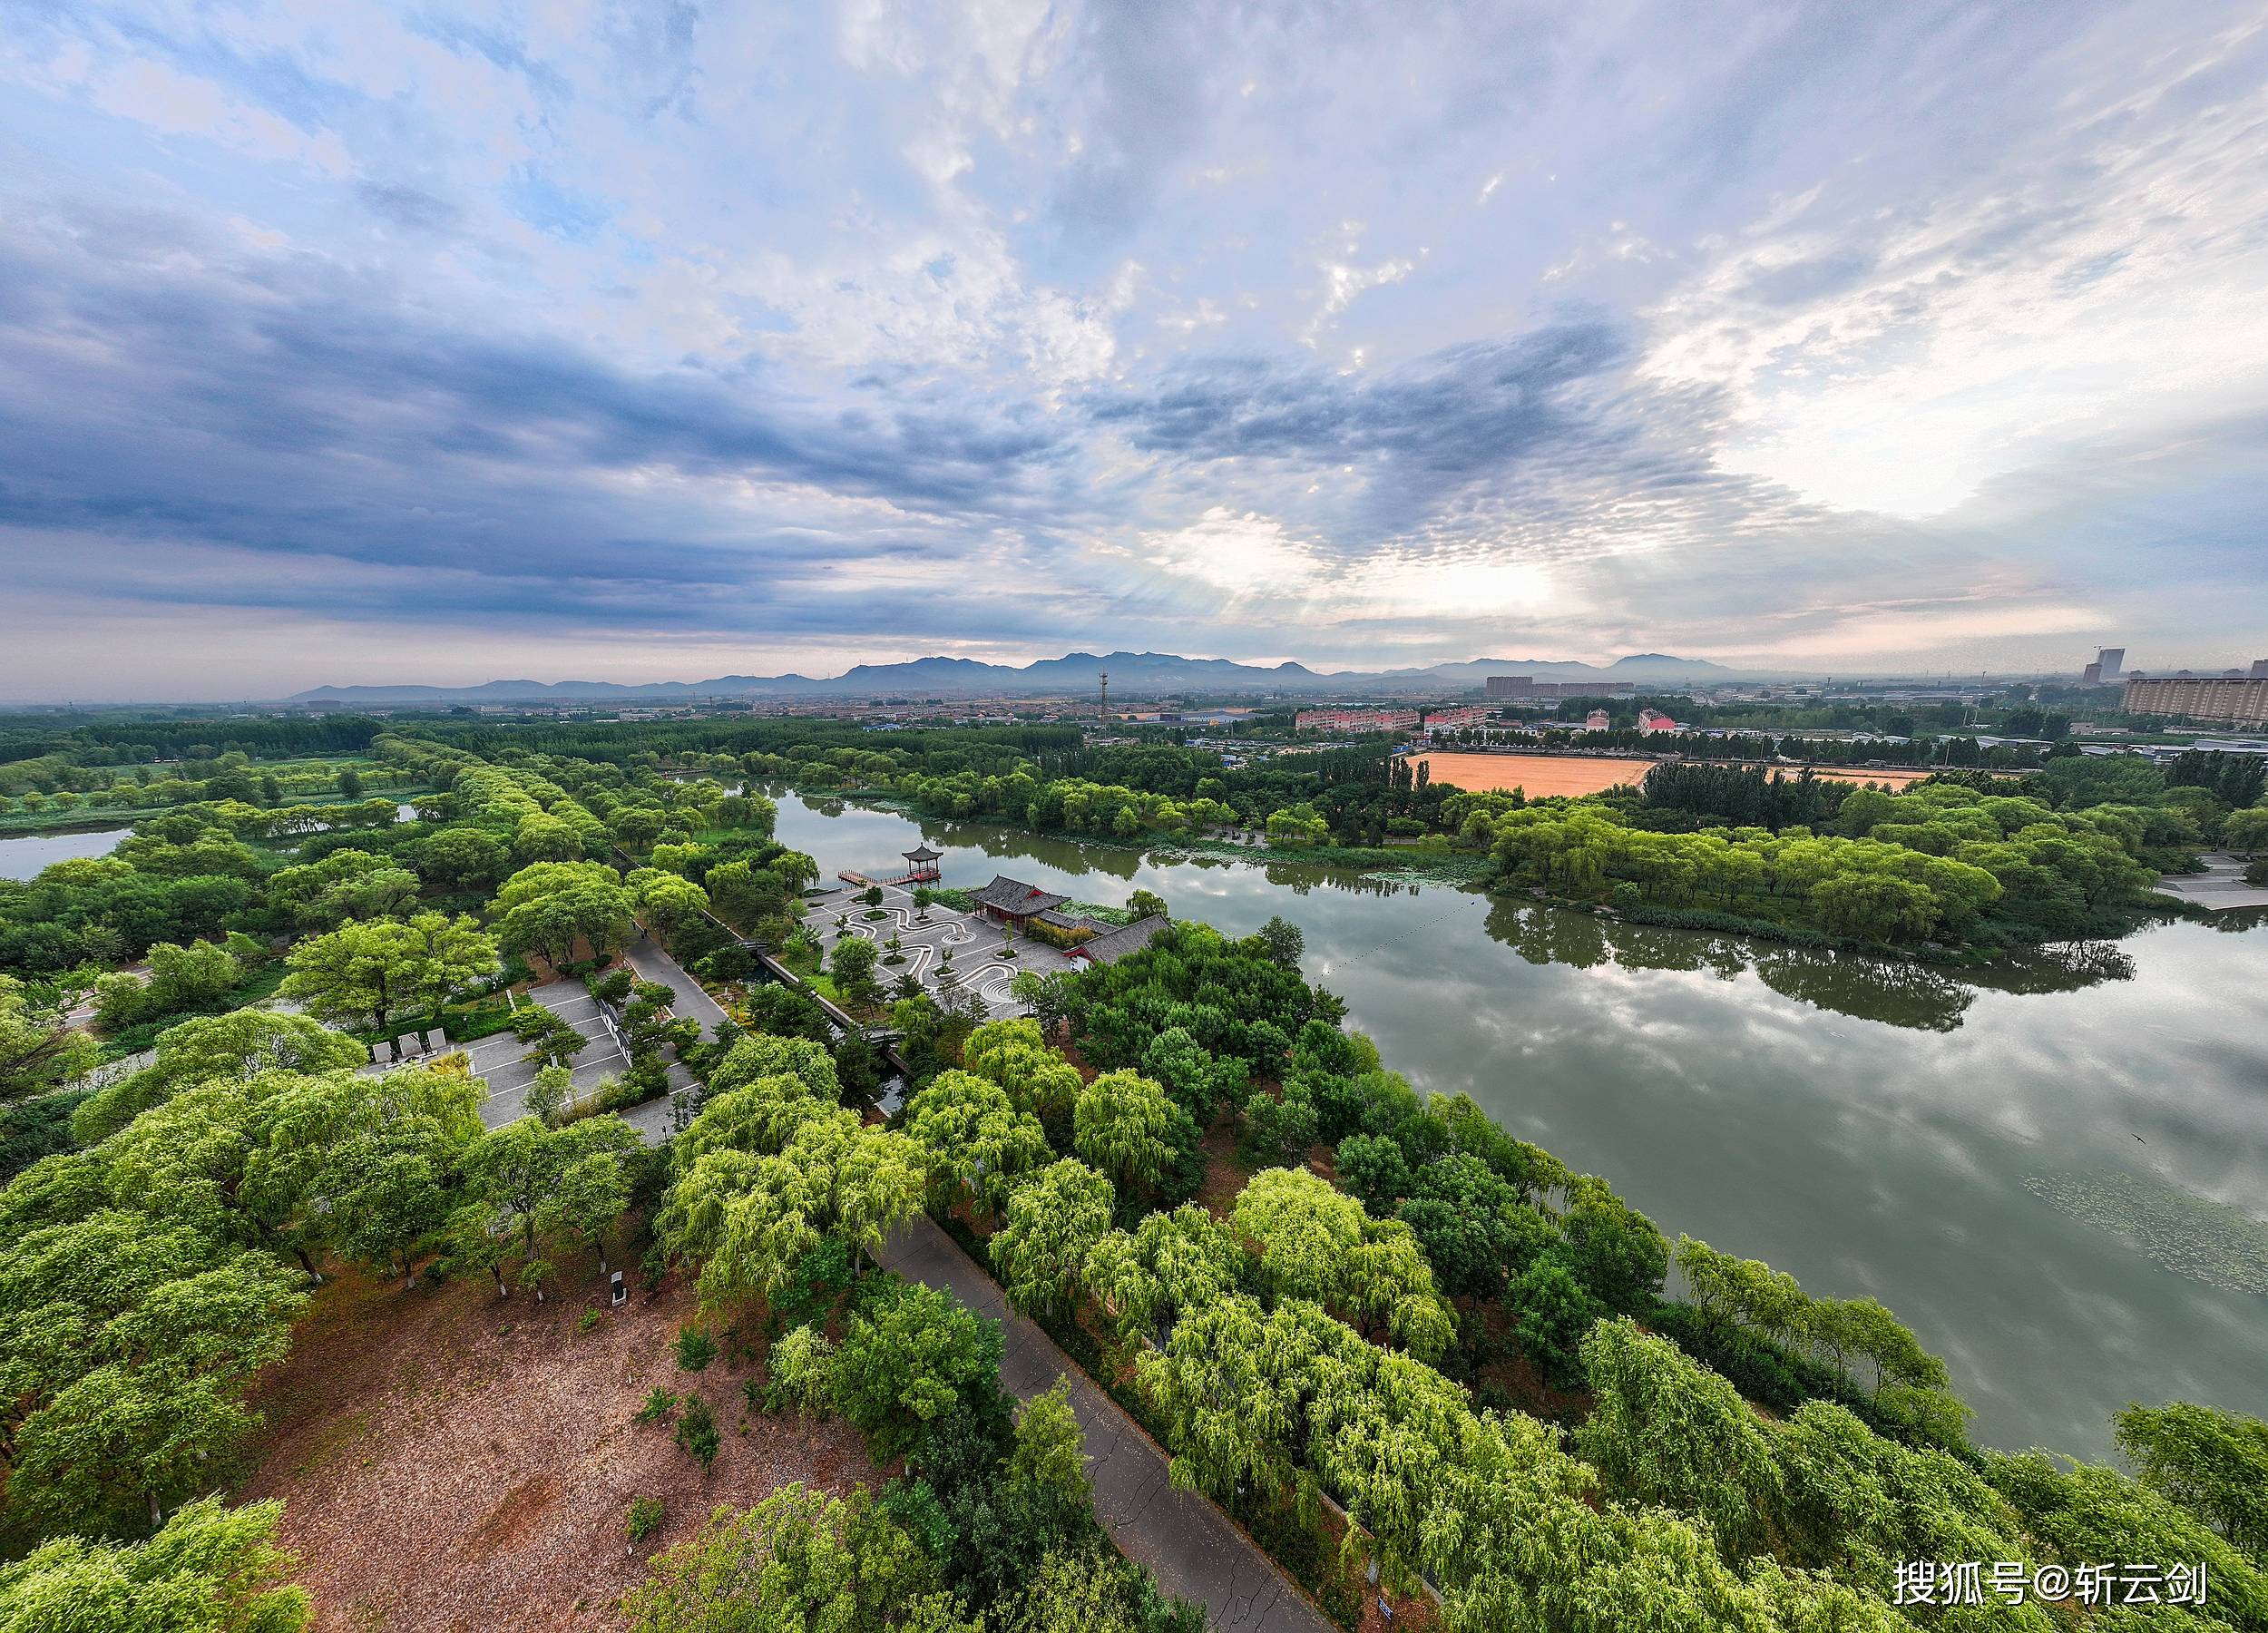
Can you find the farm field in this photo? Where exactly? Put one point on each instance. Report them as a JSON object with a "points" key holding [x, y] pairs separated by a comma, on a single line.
{"points": [[1542, 774], [453, 1460]]}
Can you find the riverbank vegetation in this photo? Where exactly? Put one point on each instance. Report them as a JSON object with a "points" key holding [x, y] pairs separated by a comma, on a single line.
{"points": [[1387, 1302], [1958, 858]]}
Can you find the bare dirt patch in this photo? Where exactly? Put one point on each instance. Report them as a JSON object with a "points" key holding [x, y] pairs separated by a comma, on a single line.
{"points": [[449, 1460]]}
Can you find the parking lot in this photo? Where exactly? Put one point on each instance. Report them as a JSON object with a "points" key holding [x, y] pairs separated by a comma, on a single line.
{"points": [[500, 1061]]}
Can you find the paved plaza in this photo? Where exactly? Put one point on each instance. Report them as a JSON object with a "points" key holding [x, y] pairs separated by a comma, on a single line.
{"points": [[2220, 887], [925, 940]]}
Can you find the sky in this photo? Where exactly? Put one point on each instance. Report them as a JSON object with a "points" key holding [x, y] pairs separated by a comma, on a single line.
{"points": [[376, 343]]}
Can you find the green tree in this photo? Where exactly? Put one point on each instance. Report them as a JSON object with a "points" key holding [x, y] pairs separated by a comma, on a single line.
{"points": [[1119, 1124], [1054, 1220], [913, 1357], [1014, 1054], [378, 970], [1665, 1430], [1281, 941], [1168, 1264], [1315, 1242], [749, 1219], [667, 902], [128, 1343], [521, 1172], [744, 894], [239, 1045], [2246, 831], [974, 1143], [852, 964], [1552, 1311], [350, 783], [2212, 1464], [800, 1559], [462, 858], [209, 1569], [37, 1051], [345, 885], [1051, 1449], [540, 836]]}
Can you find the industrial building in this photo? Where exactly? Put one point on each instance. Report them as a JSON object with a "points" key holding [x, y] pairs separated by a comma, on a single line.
{"points": [[2231, 698]]}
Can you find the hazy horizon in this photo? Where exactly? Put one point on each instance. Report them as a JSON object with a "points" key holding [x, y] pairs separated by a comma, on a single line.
{"points": [[372, 345], [839, 669]]}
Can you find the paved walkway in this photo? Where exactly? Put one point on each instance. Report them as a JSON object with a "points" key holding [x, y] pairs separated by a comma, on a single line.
{"points": [[646, 957], [2221, 886], [1187, 1543]]}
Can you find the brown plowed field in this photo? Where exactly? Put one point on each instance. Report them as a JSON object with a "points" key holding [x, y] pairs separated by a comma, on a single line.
{"points": [[449, 1460], [1542, 774]]}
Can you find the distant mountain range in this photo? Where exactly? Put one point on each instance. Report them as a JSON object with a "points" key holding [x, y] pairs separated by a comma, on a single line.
{"points": [[1132, 675]]}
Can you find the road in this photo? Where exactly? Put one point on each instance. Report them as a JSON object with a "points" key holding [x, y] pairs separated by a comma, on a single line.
{"points": [[1187, 1543], [645, 956]]}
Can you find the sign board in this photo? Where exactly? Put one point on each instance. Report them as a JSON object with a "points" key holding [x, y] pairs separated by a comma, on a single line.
{"points": [[618, 1291]]}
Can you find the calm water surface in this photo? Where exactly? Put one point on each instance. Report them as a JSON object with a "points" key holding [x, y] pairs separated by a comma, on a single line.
{"points": [[1867, 1128], [23, 855]]}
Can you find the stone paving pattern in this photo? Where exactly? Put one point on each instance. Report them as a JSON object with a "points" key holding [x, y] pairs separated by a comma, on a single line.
{"points": [[973, 940]]}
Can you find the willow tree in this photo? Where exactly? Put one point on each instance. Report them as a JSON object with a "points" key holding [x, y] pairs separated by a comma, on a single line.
{"points": [[1317, 1242], [976, 1145], [1119, 1124], [1054, 1221]]}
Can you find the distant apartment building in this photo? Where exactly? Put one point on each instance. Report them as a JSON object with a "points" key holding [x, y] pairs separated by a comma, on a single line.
{"points": [[2234, 699], [1528, 686], [1356, 719], [1458, 720], [1654, 720], [1596, 721], [2113, 662]]}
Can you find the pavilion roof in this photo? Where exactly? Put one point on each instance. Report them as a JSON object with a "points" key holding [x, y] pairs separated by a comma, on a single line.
{"points": [[922, 852]]}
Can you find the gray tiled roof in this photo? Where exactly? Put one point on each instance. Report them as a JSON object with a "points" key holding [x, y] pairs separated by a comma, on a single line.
{"points": [[1114, 944], [1013, 895]]}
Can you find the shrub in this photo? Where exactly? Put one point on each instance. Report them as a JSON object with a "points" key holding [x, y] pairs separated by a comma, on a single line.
{"points": [[659, 1407], [695, 1348], [644, 1519], [696, 1433]]}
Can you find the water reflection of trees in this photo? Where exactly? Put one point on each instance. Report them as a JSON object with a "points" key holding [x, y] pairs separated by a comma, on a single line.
{"points": [[1890, 991], [1901, 995]]}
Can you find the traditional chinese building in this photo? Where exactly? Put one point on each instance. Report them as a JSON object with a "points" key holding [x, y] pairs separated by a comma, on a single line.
{"points": [[1012, 902], [921, 864]]}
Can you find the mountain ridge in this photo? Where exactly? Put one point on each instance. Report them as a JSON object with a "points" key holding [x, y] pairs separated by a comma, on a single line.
{"points": [[1132, 675]]}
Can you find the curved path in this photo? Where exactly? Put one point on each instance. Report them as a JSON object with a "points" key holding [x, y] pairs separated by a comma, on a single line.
{"points": [[1187, 1543]]}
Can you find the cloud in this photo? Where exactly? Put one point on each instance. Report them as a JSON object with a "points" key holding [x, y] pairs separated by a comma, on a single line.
{"points": [[1850, 335]]}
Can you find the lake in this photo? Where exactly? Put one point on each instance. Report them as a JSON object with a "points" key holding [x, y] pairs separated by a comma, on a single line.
{"points": [[2055, 1173], [22, 855]]}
